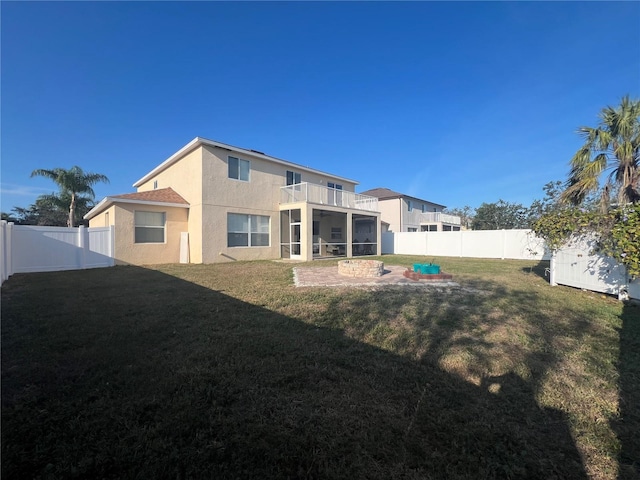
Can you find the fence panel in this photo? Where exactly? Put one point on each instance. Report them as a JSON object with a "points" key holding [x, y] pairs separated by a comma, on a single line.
{"points": [[512, 244], [42, 249], [26, 248], [575, 266], [100, 247], [443, 244]]}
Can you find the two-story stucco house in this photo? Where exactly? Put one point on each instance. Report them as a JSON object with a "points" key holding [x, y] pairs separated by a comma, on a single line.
{"points": [[404, 213], [212, 202]]}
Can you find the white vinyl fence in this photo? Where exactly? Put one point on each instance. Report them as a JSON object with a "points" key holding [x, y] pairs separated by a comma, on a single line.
{"points": [[512, 244], [27, 248], [576, 266]]}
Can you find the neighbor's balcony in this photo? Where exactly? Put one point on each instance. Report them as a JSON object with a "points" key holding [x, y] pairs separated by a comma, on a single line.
{"points": [[312, 193], [432, 217]]}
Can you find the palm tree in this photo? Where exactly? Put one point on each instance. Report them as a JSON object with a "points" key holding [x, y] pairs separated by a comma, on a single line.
{"points": [[74, 184], [613, 145]]}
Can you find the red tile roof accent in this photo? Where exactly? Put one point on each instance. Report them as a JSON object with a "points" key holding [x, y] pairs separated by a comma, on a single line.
{"points": [[165, 195]]}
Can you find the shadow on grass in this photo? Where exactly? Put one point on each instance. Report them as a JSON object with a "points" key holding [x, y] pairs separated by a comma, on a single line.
{"points": [[131, 373], [541, 269], [629, 391]]}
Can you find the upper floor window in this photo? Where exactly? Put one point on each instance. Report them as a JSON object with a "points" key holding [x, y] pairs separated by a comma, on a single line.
{"points": [[149, 227], [293, 178], [424, 208], [334, 193], [239, 169], [409, 205]]}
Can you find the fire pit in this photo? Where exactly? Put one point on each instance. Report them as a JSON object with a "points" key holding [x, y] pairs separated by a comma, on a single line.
{"points": [[428, 273], [361, 268]]}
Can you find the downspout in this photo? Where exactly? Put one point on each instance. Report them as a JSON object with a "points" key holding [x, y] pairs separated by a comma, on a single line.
{"points": [[400, 213]]}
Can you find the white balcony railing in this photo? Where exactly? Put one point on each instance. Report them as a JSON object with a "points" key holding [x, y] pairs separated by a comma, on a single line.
{"points": [[312, 193], [432, 217]]}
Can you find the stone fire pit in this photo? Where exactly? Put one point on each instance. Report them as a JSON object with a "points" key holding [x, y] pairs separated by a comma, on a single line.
{"points": [[361, 268]]}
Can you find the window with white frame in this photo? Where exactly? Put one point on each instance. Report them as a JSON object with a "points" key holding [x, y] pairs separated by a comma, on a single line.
{"points": [[239, 168], [293, 178], [335, 193], [247, 230], [149, 227], [409, 205], [424, 208]]}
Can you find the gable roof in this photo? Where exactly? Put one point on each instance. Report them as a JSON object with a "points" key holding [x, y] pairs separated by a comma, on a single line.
{"points": [[386, 194], [199, 141], [163, 197]]}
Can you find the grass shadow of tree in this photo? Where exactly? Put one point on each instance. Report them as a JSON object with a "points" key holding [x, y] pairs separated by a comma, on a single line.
{"points": [[143, 375]]}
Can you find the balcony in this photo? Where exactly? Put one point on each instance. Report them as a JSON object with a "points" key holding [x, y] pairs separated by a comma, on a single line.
{"points": [[318, 194], [432, 217]]}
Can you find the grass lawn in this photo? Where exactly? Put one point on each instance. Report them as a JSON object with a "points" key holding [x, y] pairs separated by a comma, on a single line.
{"points": [[229, 371]]}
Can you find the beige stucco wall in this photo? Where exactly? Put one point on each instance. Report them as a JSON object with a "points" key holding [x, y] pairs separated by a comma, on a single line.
{"points": [[184, 178], [106, 218], [201, 178], [390, 212], [129, 252], [395, 211], [259, 196]]}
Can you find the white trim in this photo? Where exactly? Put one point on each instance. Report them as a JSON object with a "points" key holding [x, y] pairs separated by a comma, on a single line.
{"points": [[198, 141], [106, 202]]}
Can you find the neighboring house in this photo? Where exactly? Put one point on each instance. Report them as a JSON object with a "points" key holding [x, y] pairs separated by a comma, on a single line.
{"points": [[404, 213], [211, 202]]}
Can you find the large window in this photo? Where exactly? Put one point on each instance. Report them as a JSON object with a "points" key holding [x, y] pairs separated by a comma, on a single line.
{"points": [[247, 230], [149, 227], [293, 178], [239, 169]]}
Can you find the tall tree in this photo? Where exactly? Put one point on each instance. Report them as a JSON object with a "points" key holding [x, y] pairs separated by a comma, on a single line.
{"points": [[465, 213], [74, 185], [502, 214], [613, 145]]}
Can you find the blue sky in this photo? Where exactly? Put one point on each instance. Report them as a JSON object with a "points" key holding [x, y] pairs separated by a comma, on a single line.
{"points": [[454, 102]]}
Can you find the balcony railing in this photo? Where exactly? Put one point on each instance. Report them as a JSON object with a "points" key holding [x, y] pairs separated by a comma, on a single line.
{"points": [[312, 193], [432, 217]]}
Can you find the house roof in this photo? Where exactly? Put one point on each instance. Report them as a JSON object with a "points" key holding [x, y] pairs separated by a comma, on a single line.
{"points": [[386, 194], [163, 195], [198, 141], [166, 197]]}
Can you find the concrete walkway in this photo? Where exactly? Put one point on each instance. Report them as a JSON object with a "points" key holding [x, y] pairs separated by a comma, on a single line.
{"points": [[329, 277]]}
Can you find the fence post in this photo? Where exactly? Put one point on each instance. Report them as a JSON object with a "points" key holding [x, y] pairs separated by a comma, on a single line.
{"points": [[82, 245], [3, 252], [9, 249], [112, 244], [552, 270]]}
